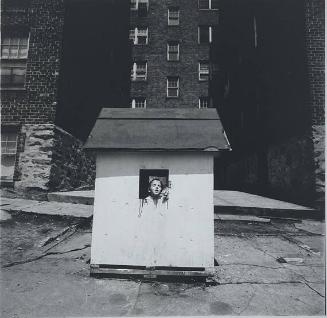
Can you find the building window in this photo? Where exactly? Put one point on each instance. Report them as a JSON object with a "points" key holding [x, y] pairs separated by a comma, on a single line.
{"points": [[14, 47], [173, 16], [15, 5], [14, 52], [172, 86], [138, 102], [203, 71], [139, 36], [8, 143], [173, 51], [204, 102], [147, 175], [13, 74], [139, 71], [139, 5], [8, 154], [205, 34], [208, 4]]}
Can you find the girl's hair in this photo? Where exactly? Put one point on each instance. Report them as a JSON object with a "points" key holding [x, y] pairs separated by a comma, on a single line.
{"points": [[156, 179]]}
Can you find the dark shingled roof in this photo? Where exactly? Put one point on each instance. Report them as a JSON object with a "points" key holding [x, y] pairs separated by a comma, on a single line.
{"points": [[157, 129]]}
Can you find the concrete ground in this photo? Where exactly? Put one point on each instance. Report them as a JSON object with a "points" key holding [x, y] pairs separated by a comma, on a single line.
{"points": [[264, 268]]}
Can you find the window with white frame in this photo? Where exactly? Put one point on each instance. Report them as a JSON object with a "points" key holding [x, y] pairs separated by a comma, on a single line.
{"points": [[203, 71], [8, 154], [139, 4], [204, 102], [138, 102], [14, 47], [139, 71], [139, 36], [173, 51], [208, 4], [172, 86], [14, 52], [205, 33], [173, 16], [133, 5], [8, 143]]}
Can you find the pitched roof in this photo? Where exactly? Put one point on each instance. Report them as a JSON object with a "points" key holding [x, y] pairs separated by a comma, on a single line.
{"points": [[158, 129]]}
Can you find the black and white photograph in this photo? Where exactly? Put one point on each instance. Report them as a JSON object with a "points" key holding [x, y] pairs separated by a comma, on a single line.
{"points": [[162, 158]]}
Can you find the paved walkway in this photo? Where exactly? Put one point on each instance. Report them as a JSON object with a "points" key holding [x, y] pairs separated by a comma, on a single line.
{"points": [[221, 198], [243, 199], [45, 207], [46, 274], [80, 204]]}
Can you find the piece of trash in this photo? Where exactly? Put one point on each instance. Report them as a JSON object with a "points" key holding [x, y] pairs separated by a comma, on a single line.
{"points": [[19, 248], [290, 260]]}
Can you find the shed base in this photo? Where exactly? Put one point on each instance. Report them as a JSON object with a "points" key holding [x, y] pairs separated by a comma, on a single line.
{"points": [[158, 272]]}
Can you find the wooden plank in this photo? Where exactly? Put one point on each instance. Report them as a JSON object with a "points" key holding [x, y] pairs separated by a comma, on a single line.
{"points": [[159, 113], [140, 134], [94, 269], [177, 234]]}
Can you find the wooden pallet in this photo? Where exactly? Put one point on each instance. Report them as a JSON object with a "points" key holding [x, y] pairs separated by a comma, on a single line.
{"points": [[149, 272]]}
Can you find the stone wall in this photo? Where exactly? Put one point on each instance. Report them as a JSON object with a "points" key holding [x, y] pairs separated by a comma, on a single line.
{"points": [[315, 52], [318, 132], [51, 159], [284, 171], [34, 162], [71, 167], [291, 170]]}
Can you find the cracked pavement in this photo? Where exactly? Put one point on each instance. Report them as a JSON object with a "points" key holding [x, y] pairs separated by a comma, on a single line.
{"points": [[45, 272]]}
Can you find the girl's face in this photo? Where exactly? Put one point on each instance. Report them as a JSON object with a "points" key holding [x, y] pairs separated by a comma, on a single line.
{"points": [[155, 187]]}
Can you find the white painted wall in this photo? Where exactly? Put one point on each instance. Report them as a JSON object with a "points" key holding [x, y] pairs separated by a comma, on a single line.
{"points": [[181, 235]]}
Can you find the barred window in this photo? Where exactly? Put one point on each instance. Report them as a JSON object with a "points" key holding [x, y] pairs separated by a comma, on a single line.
{"points": [[138, 102], [14, 47], [139, 4], [139, 36], [204, 102], [208, 4], [172, 86], [139, 71], [173, 16], [173, 51], [203, 71]]}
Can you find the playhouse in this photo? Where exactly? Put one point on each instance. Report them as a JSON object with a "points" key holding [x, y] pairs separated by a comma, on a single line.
{"points": [[153, 208]]}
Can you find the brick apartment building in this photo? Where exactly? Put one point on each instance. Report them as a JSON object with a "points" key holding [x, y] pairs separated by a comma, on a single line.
{"points": [[259, 62], [171, 52], [47, 77]]}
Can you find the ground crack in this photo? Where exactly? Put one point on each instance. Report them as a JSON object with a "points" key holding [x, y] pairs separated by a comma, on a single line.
{"points": [[43, 255], [316, 291]]}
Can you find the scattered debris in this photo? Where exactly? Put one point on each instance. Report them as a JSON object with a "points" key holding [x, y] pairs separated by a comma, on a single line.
{"points": [[4, 216], [290, 260]]}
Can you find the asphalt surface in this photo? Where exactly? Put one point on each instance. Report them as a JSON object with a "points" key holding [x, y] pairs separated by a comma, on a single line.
{"points": [[275, 268]]}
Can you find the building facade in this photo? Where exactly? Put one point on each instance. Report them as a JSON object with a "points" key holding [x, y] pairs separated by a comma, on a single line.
{"points": [[170, 54], [259, 62], [270, 97], [40, 149]]}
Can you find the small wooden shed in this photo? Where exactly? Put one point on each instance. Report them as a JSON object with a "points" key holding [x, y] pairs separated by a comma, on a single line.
{"points": [[153, 207]]}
